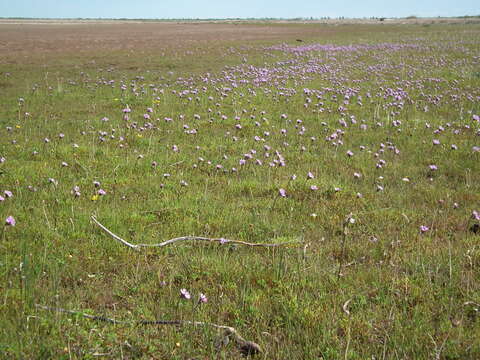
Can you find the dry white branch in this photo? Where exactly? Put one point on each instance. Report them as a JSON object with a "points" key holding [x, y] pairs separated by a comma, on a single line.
{"points": [[345, 307], [118, 238], [246, 347], [193, 238], [305, 250]]}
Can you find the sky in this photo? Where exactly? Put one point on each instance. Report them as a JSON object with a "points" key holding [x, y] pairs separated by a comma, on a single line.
{"points": [[203, 9]]}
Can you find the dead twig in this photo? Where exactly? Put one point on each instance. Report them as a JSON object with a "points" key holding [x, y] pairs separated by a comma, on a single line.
{"points": [[348, 221], [185, 238], [345, 306], [305, 251], [342, 253], [246, 347], [45, 214]]}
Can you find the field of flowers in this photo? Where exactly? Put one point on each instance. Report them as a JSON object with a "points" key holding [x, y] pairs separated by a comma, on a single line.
{"points": [[357, 154]]}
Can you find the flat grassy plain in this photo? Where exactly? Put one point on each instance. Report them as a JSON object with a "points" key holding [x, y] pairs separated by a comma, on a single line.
{"points": [[361, 142]]}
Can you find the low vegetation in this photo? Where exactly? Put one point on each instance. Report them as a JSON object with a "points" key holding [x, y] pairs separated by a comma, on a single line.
{"points": [[358, 151]]}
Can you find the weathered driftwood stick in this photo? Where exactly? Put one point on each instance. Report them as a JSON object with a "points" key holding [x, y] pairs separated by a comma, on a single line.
{"points": [[118, 238], [345, 306], [184, 238], [246, 347]]}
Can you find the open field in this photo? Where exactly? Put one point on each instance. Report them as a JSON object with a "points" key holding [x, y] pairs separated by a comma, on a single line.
{"points": [[411, 20], [357, 149]]}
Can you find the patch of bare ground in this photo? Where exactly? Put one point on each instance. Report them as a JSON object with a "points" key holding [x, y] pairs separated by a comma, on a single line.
{"points": [[21, 41]]}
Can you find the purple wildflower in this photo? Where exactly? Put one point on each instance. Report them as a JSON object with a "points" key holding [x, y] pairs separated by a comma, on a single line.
{"points": [[202, 298], [185, 294], [76, 191], [282, 192], [476, 215], [10, 221], [424, 229]]}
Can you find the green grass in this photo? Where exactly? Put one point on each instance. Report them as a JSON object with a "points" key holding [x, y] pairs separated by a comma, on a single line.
{"points": [[412, 295]]}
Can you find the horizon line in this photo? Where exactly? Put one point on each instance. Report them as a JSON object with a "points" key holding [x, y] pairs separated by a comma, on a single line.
{"points": [[304, 18]]}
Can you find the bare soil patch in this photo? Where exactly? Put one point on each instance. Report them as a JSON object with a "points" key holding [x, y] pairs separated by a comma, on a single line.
{"points": [[23, 40]]}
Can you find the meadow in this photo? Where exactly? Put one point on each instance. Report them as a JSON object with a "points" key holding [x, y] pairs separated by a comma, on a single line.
{"points": [[353, 147]]}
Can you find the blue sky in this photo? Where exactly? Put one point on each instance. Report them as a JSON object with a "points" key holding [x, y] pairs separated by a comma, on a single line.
{"points": [[231, 9]]}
